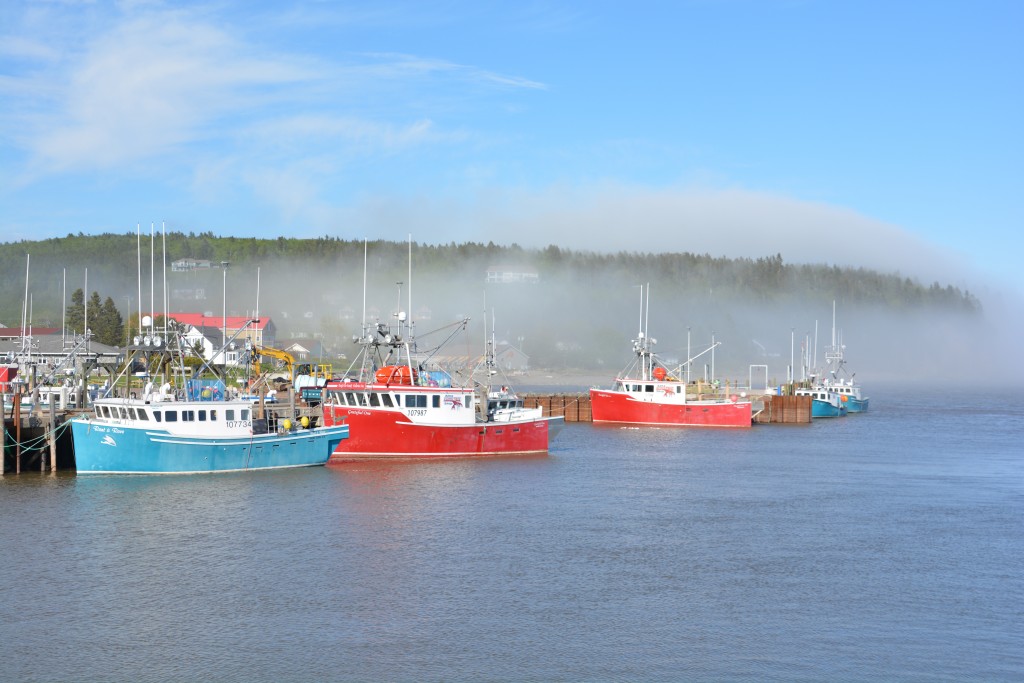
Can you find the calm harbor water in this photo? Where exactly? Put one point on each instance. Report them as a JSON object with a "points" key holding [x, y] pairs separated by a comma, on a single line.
{"points": [[883, 546]]}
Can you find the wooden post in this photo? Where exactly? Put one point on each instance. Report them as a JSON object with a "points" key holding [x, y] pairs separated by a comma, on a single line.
{"points": [[53, 437], [17, 433]]}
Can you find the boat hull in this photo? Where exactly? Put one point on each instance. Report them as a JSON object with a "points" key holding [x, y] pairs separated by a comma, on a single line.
{"points": [[857, 405], [114, 449], [383, 434], [821, 408], [618, 407]]}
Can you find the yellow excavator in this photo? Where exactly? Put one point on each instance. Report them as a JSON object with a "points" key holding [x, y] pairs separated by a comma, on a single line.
{"points": [[300, 376]]}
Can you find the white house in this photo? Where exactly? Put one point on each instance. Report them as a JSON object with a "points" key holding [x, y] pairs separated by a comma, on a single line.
{"points": [[207, 342]]}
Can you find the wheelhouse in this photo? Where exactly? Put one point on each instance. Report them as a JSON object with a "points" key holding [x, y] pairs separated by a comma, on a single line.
{"points": [[371, 397], [633, 386]]}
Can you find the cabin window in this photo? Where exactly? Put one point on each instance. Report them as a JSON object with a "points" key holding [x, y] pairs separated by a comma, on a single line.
{"points": [[156, 415], [375, 400], [466, 401], [213, 416], [415, 401], [245, 413], [188, 416], [202, 416], [123, 412], [386, 398], [437, 401], [142, 414], [351, 398], [649, 388], [229, 414], [171, 416], [362, 399]]}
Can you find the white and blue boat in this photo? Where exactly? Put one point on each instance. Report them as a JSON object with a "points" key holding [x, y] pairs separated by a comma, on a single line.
{"points": [[196, 428], [158, 434], [847, 389], [850, 392], [825, 403]]}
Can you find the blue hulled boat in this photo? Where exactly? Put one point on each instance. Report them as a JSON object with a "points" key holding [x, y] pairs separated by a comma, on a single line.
{"points": [[850, 393], [824, 403], [847, 389], [167, 436], [160, 435], [192, 428]]}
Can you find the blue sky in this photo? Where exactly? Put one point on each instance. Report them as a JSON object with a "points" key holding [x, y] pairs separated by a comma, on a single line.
{"points": [[883, 134]]}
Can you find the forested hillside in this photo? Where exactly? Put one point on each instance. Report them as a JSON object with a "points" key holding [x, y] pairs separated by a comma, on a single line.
{"points": [[576, 307]]}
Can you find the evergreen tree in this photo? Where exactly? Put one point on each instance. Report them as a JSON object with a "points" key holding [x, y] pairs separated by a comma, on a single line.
{"points": [[109, 327], [93, 312], [75, 313]]}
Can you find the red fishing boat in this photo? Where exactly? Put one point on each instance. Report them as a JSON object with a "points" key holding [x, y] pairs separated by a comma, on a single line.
{"points": [[402, 405], [647, 393]]}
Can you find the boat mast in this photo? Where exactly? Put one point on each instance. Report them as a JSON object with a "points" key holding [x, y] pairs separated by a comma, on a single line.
{"points": [[64, 311], [163, 229], [410, 340], [152, 279], [138, 258], [409, 280], [24, 305], [649, 362], [85, 312]]}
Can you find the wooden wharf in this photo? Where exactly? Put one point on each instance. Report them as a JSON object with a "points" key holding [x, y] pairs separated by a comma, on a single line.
{"points": [[768, 409]]}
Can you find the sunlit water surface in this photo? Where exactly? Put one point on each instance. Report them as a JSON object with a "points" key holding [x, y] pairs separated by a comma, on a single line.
{"points": [[883, 546]]}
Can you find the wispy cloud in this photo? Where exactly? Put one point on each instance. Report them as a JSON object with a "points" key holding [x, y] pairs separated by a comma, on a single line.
{"points": [[149, 86], [153, 86], [401, 67]]}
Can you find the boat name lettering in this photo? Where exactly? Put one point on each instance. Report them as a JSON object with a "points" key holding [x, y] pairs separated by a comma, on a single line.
{"points": [[359, 412], [103, 430]]}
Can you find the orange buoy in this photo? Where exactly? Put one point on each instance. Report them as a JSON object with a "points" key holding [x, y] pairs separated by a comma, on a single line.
{"points": [[659, 373]]}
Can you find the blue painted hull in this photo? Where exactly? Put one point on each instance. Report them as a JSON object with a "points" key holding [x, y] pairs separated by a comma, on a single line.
{"points": [[825, 409], [110, 449], [855, 405]]}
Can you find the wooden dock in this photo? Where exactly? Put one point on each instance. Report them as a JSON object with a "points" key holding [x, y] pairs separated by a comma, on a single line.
{"points": [[573, 407], [767, 409], [783, 410]]}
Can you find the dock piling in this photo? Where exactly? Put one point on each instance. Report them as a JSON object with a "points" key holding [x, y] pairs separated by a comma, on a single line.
{"points": [[53, 438]]}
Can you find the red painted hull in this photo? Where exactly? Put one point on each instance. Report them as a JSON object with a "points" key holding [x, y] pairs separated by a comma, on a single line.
{"points": [[379, 434], [611, 406]]}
